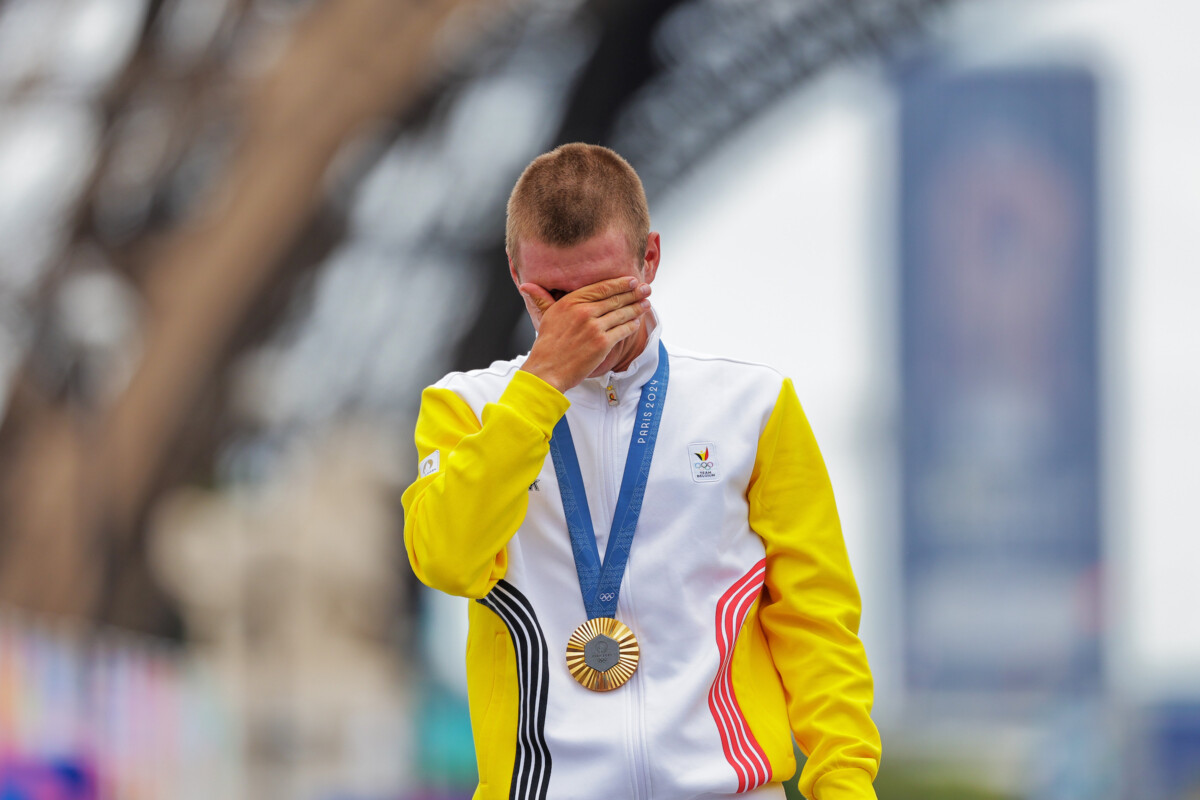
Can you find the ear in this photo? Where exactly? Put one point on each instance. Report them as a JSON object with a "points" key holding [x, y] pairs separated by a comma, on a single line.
{"points": [[512, 270], [651, 257]]}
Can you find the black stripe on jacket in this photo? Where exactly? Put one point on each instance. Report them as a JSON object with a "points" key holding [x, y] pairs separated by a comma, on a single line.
{"points": [[531, 768]]}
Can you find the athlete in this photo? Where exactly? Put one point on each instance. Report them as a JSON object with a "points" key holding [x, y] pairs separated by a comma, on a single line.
{"points": [[721, 620]]}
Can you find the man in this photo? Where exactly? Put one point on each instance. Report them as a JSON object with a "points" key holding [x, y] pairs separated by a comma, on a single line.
{"points": [[722, 619]]}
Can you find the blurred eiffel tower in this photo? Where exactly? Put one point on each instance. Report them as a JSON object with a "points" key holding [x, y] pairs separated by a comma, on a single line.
{"points": [[213, 165]]}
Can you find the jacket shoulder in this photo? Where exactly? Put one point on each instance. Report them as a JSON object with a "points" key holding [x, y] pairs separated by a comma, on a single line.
{"points": [[480, 386], [751, 387], [728, 368]]}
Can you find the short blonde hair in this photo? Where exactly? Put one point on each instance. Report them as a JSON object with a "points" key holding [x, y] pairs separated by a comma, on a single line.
{"points": [[573, 193]]}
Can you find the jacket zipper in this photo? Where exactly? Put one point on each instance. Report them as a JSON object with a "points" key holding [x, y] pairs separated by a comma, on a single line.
{"points": [[635, 704], [640, 759], [611, 489]]}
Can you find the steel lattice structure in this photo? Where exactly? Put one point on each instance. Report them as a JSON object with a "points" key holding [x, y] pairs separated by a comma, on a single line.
{"points": [[392, 203]]}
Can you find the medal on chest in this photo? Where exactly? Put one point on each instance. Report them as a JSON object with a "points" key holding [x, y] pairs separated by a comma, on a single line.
{"points": [[603, 653]]}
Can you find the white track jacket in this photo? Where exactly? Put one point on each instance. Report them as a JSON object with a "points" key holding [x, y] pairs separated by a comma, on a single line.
{"points": [[738, 586]]}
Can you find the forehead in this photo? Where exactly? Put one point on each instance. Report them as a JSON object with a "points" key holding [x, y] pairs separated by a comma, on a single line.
{"points": [[604, 256]]}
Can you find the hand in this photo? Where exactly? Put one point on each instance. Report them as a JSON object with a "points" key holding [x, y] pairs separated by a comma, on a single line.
{"points": [[577, 331]]}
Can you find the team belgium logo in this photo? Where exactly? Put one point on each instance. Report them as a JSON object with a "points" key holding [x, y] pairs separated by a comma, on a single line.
{"points": [[703, 458]]}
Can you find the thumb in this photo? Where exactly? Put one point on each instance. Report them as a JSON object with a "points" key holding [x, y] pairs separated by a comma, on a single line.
{"points": [[536, 295]]}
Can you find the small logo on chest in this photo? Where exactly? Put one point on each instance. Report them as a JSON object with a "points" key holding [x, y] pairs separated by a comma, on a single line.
{"points": [[704, 464]]}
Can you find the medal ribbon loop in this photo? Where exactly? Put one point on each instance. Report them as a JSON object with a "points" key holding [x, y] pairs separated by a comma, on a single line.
{"points": [[599, 582]]}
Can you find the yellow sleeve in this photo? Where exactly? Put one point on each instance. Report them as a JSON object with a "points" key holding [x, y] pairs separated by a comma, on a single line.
{"points": [[811, 612], [459, 517]]}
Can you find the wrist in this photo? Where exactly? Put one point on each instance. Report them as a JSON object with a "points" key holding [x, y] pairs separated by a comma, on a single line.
{"points": [[535, 400], [546, 375]]}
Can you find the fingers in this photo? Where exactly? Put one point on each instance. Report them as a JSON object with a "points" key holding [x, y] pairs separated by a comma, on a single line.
{"points": [[630, 298], [606, 290], [605, 297], [624, 313], [540, 298], [624, 330]]}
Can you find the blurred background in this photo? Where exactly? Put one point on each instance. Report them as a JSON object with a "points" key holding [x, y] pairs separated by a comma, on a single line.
{"points": [[237, 237]]}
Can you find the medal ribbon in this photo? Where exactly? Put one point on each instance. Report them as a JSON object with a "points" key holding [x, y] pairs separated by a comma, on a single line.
{"points": [[601, 584]]}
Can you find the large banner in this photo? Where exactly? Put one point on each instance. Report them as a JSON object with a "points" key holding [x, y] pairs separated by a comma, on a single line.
{"points": [[998, 232]]}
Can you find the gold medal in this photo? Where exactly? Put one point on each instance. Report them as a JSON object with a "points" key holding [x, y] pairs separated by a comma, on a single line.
{"points": [[602, 654]]}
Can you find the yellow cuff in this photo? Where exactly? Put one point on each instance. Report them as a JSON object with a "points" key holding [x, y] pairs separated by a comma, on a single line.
{"points": [[845, 784], [535, 400]]}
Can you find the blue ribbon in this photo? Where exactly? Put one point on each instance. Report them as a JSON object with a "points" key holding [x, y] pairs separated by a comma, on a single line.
{"points": [[601, 584]]}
